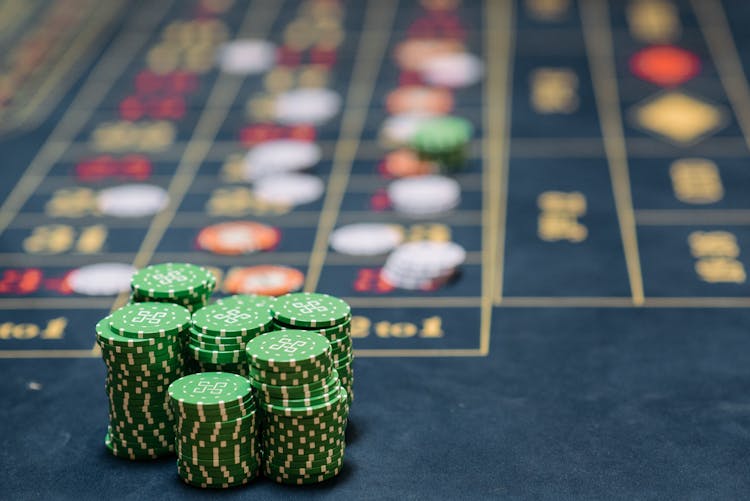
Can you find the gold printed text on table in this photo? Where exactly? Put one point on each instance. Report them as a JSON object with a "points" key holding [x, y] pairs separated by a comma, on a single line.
{"points": [[653, 21], [716, 253], [696, 181], [554, 90], [559, 216]]}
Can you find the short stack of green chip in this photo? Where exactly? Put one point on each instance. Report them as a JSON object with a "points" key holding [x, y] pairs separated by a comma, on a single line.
{"points": [[142, 349], [185, 284], [443, 140], [326, 315], [219, 332], [304, 405], [216, 429]]}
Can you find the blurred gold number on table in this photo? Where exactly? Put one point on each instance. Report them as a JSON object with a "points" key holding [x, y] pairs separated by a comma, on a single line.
{"points": [[59, 238], [696, 181], [233, 169], [434, 232], [547, 10], [653, 21], [147, 136], [240, 202], [558, 217], [554, 90], [55, 329], [71, 202], [716, 253]]}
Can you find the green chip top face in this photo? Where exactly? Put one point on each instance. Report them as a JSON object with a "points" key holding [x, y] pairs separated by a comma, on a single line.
{"points": [[443, 131], [231, 318], [209, 388], [288, 347], [253, 300], [105, 334], [172, 280], [149, 320], [310, 309]]}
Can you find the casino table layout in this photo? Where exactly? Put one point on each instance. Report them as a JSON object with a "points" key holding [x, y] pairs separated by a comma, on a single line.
{"points": [[593, 342]]}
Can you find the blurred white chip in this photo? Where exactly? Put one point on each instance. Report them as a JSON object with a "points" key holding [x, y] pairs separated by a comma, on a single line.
{"points": [[366, 239], [423, 196], [102, 279], [306, 106], [289, 189], [246, 56], [132, 200], [279, 157], [453, 70]]}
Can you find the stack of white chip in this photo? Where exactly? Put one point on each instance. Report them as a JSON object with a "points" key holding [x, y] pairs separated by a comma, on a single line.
{"points": [[422, 265], [424, 196]]}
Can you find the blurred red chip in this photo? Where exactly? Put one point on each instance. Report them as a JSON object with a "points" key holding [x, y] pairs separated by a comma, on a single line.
{"points": [[665, 65], [404, 163], [238, 237], [419, 99], [266, 280]]}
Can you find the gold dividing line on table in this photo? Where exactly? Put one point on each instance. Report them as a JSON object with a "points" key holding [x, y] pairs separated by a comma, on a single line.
{"points": [[598, 41], [370, 52], [687, 217], [715, 27], [498, 90], [108, 69], [258, 18]]}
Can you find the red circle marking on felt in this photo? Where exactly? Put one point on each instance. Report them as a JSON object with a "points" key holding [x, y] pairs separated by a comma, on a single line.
{"points": [[665, 65]]}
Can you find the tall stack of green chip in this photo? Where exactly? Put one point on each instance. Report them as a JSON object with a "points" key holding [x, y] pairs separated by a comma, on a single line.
{"points": [[216, 429], [325, 315], [219, 332], [304, 406], [142, 349], [181, 283], [443, 140]]}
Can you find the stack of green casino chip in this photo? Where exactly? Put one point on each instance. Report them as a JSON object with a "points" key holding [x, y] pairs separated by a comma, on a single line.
{"points": [[181, 283], [303, 403], [141, 346], [325, 315], [216, 429], [443, 140], [219, 332]]}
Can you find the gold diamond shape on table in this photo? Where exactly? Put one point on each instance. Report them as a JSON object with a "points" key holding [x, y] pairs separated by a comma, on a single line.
{"points": [[679, 117]]}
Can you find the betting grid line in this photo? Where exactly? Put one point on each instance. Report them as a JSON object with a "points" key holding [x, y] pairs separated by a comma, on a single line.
{"points": [[370, 53], [81, 43], [715, 28], [598, 41], [219, 102], [108, 69], [499, 49]]}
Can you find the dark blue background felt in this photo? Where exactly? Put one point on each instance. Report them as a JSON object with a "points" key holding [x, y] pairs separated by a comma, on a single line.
{"points": [[570, 403]]}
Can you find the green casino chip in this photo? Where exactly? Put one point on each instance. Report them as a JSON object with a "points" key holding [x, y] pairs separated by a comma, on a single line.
{"points": [[210, 389], [149, 320], [230, 318], [248, 300], [333, 334], [216, 357], [173, 280], [310, 310], [288, 349]]}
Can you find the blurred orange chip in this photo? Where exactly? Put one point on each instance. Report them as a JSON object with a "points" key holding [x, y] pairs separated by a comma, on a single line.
{"points": [[238, 237], [404, 163], [412, 54], [419, 99], [266, 280]]}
